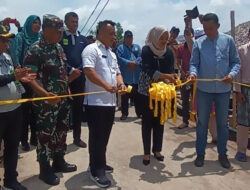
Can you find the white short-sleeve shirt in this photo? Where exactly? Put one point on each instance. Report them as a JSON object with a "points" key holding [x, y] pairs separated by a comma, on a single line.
{"points": [[104, 62]]}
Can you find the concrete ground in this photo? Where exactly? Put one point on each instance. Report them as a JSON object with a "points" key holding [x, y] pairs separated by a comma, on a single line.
{"points": [[124, 153]]}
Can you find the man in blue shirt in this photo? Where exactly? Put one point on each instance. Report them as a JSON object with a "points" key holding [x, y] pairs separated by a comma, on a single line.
{"points": [[214, 56], [73, 44], [129, 60]]}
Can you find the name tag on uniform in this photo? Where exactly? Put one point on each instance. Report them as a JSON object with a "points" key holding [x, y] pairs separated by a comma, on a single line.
{"points": [[65, 42], [104, 56]]}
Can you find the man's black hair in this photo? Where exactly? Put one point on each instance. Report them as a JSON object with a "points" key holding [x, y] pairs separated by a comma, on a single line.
{"points": [[175, 30], [69, 14], [211, 16], [103, 24]]}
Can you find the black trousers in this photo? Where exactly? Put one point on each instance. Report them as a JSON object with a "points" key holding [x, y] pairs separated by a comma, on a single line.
{"points": [[100, 120], [135, 97], [149, 124], [29, 117], [77, 86], [185, 95], [10, 132]]}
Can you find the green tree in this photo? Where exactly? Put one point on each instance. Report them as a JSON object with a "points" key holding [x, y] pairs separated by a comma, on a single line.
{"points": [[119, 33], [92, 32]]}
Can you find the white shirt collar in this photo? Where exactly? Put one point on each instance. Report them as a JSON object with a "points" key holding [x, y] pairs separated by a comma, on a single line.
{"points": [[101, 44], [69, 33]]}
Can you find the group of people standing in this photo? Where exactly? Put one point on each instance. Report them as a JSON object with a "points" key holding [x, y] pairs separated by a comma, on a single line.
{"points": [[40, 54], [60, 61]]}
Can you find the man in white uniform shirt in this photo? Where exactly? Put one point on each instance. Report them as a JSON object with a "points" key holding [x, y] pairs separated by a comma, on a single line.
{"points": [[102, 73]]}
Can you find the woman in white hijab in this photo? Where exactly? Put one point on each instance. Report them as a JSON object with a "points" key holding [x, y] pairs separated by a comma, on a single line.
{"points": [[157, 65]]}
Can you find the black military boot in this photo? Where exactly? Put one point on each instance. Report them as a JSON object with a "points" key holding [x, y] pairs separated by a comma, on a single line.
{"points": [[14, 186], [47, 174], [60, 165]]}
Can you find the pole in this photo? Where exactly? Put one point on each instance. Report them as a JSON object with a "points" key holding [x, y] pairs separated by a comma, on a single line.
{"points": [[234, 113]]}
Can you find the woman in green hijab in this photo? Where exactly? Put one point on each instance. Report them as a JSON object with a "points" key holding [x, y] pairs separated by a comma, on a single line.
{"points": [[26, 37], [18, 48]]}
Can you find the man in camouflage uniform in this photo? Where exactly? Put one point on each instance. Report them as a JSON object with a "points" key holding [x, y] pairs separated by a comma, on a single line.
{"points": [[47, 59]]}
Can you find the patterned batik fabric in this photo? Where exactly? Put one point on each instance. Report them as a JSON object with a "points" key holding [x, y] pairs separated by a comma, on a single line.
{"points": [[144, 83]]}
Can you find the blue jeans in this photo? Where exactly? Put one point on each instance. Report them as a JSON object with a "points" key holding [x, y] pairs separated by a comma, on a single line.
{"points": [[204, 104]]}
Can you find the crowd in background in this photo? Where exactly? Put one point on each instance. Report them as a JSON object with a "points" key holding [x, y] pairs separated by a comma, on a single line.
{"points": [[59, 60]]}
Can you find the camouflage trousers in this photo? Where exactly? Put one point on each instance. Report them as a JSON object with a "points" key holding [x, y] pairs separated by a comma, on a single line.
{"points": [[51, 129]]}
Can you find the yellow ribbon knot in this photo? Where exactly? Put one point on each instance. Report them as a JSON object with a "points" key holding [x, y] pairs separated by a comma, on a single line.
{"points": [[163, 94]]}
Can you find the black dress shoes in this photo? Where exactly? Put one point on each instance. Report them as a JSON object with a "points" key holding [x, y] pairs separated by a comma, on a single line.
{"points": [[159, 158], [224, 161], [199, 161], [80, 143], [60, 165], [123, 117], [146, 162]]}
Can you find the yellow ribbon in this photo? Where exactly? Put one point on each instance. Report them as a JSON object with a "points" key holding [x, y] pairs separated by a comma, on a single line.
{"points": [[129, 89], [164, 94], [219, 80], [5, 102], [160, 92]]}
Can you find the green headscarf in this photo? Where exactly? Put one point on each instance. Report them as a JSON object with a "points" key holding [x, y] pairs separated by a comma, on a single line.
{"points": [[29, 36]]}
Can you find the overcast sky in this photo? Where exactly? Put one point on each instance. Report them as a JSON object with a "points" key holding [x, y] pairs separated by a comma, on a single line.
{"points": [[136, 15]]}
